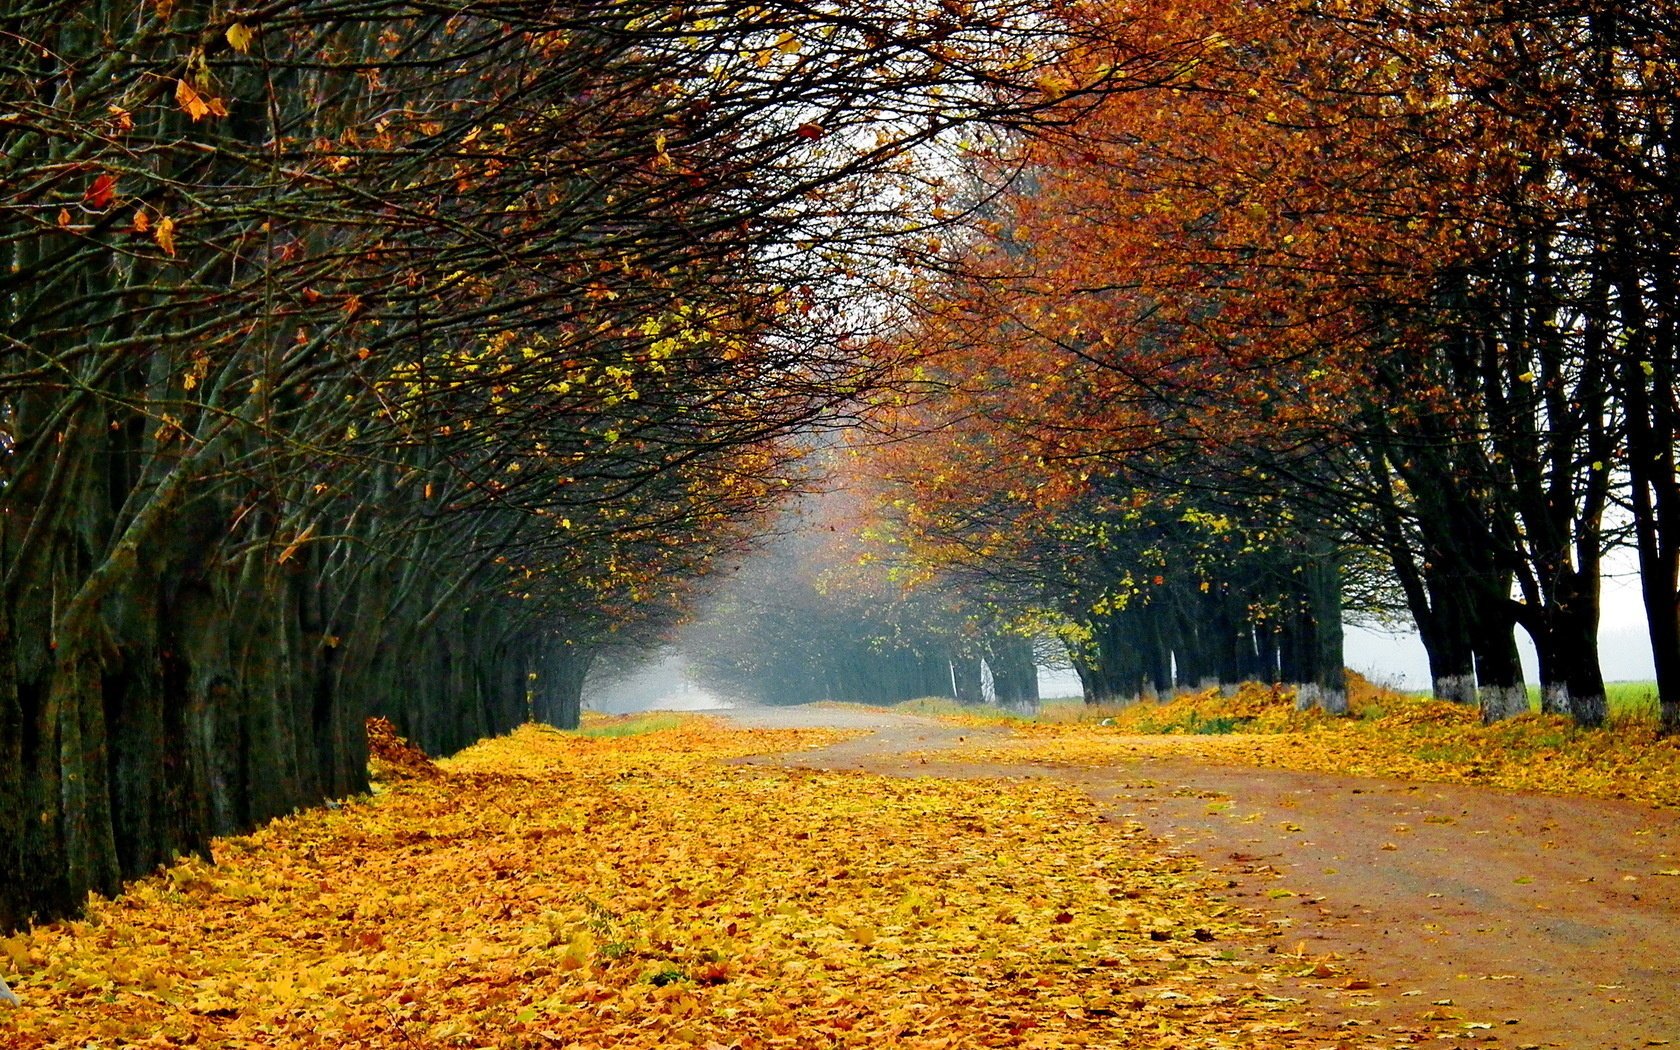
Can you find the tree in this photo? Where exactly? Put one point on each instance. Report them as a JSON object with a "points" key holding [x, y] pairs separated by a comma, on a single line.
{"points": [[1347, 255], [364, 357]]}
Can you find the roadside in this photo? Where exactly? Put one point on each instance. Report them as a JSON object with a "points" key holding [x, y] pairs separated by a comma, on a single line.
{"points": [[1516, 919]]}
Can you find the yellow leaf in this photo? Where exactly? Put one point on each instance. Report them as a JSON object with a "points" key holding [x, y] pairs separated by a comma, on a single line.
{"points": [[164, 234], [239, 36]]}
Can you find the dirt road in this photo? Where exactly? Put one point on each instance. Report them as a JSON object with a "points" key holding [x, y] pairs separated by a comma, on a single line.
{"points": [[1515, 920]]}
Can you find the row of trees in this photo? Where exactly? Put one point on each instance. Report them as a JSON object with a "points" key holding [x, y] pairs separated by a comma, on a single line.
{"points": [[1149, 585], [376, 357], [1391, 279], [383, 358]]}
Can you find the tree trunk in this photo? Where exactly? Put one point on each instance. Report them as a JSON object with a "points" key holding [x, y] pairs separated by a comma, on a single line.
{"points": [[1499, 676], [966, 679], [558, 698], [1322, 676], [1444, 626], [1014, 673]]}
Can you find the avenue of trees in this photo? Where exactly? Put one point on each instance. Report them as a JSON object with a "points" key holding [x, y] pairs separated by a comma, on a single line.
{"points": [[385, 358], [395, 358], [822, 613]]}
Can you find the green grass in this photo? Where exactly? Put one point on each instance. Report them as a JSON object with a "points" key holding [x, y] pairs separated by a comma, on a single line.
{"points": [[1448, 753], [1194, 724], [1630, 700], [1635, 699], [633, 726], [934, 706], [1219, 725]]}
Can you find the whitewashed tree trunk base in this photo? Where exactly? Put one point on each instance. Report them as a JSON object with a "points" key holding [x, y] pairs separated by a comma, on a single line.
{"points": [[1502, 702], [1311, 694], [1458, 688]]}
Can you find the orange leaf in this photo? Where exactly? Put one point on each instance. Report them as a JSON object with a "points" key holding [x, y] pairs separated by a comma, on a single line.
{"points": [[142, 221], [191, 101], [292, 547]]}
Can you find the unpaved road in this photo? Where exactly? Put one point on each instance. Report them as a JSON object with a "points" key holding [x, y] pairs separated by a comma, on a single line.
{"points": [[1514, 920]]}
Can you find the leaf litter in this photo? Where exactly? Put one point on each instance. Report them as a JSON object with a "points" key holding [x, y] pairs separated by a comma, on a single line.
{"points": [[548, 889], [1405, 738]]}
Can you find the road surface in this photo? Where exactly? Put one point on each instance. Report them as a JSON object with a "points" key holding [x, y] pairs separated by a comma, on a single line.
{"points": [[1510, 919]]}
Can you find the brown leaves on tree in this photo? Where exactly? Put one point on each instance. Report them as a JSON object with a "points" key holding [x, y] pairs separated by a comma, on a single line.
{"points": [[163, 232], [239, 37], [196, 104]]}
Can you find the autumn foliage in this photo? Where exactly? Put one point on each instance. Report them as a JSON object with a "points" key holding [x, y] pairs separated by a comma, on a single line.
{"points": [[1376, 284], [1395, 736]]}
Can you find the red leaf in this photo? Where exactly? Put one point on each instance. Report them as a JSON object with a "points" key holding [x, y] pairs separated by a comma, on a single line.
{"points": [[809, 131], [100, 194]]}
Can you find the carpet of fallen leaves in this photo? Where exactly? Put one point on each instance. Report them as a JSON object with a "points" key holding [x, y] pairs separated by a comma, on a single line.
{"points": [[554, 890], [1399, 737]]}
